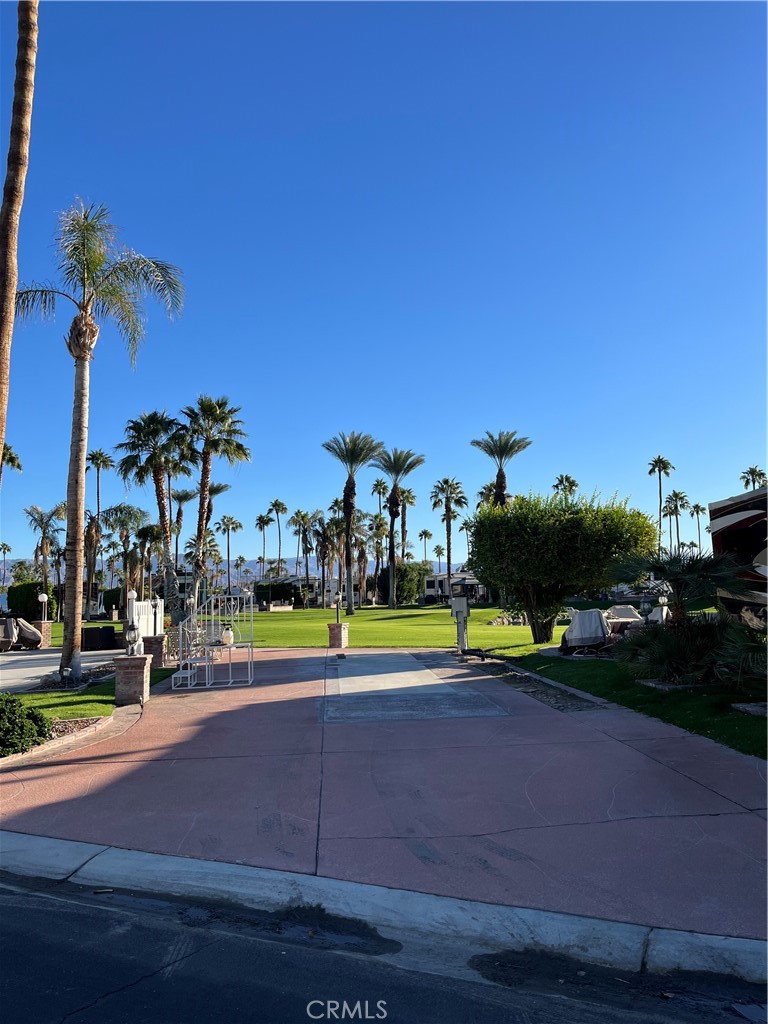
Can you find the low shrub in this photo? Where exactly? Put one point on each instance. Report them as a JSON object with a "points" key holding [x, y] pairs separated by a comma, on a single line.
{"points": [[700, 650], [21, 728]]}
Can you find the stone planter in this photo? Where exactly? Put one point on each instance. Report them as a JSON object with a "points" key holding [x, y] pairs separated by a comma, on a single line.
{"points": [[132, 679], [155, 646], [338, 634], [45, 631]]}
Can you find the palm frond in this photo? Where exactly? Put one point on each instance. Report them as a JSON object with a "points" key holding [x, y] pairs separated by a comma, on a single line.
{"points": [[36, 299], [143, 276], [124, 307], [85, 241]]}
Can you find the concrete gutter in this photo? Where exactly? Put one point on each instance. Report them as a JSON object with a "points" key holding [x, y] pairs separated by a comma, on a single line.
{"points": [[411, 918]]}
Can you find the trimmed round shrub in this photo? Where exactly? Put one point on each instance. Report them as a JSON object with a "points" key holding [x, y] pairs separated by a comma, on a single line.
{"points": [[21, 728]]}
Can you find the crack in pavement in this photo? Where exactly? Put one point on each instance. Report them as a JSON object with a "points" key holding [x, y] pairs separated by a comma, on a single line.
{"points": [[136, 981]]}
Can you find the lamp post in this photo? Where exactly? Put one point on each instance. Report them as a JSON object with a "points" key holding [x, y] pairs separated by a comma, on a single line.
{"points": [[43, 599], [154, 602]]}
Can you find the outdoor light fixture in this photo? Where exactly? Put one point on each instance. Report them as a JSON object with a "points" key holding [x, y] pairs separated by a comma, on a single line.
{"points": [[132, 637], [663, 600], [154, 602], [43, 599], [645, 607], [227, 636], [131, 595]]}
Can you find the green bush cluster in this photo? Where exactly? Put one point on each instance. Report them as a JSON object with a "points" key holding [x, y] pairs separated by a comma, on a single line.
{"points": [[22, 601], [112, 598], [21, 728], [409, 582], [698, 650]]}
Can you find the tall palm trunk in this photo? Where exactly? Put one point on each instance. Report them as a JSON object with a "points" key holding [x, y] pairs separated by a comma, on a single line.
{"points": [[13, 191], [279, 544], [448, 515], [393, 504], [698, 528], [403, 530], [78, 449], [198, 565], [660, 516], [229, 571], [500, 488], [349, 512], [263, 552], [170, 580], [677, 529]]}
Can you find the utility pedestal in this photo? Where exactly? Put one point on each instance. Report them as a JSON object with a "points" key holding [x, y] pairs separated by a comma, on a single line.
{"points": [[132, 679]]}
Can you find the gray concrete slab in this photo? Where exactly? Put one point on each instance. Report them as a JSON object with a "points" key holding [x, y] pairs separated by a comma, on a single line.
{"points": [[21, 670]]}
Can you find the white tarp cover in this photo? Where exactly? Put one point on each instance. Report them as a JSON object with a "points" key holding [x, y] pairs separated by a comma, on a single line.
{"points": [[659, 614], [625, 611], [587, 628]]}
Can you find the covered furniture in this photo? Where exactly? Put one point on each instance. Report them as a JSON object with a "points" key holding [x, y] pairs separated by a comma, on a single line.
{"points": [[588, 633]]}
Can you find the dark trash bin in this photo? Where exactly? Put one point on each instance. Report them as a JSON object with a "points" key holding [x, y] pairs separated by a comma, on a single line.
{"points": [[108, 641], [90, 640]]}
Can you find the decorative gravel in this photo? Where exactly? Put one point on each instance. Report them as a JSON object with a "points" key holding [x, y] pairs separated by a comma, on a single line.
{"points": [[67, 726]]}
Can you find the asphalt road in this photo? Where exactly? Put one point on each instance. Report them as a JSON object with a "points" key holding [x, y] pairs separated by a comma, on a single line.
{"points": [[75, 956]]}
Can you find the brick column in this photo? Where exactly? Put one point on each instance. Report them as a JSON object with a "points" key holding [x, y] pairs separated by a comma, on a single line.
{"points": [[155, 645], [338, 634], [45, 629], [132, 679]]}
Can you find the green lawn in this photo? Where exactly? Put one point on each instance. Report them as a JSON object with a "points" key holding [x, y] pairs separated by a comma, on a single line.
{"points": [[57, 630], [380, 627], [95, 702], [707, 713]]}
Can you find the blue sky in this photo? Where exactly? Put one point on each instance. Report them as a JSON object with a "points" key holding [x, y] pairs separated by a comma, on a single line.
{"points": [[417, 220]]}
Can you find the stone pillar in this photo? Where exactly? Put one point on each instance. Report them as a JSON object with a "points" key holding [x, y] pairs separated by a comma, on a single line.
{"points": [[114, 615], [132, 679], [338, 634], [155, 645], [45, 629]]}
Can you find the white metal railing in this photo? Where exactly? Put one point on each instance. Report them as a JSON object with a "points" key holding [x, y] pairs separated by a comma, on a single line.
{"points": [[216, 644]]}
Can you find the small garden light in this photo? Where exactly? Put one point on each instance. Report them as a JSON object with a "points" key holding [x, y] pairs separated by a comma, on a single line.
{"points": [[663, 600], [43, 599], [154, 602]]}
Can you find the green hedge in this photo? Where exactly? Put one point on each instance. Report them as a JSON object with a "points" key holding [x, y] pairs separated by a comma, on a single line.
{"points": [[277, 592], [113, 598], [21, 728], [22, 601]]}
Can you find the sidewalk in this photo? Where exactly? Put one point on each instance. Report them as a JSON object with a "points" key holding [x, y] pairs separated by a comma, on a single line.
{"points": [[419, 773]]}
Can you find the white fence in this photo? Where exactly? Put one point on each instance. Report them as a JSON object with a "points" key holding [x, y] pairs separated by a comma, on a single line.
{"points": [[216, 644]]}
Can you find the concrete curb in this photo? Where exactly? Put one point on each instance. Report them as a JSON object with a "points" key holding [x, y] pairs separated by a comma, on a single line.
{"points": [[524, 672], [405, 916]]}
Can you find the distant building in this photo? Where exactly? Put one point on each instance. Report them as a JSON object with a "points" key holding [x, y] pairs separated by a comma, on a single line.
{"points": [[436, 587]]}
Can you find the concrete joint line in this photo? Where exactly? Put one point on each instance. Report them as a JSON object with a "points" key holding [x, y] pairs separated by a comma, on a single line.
{"points": [[408, 917]]}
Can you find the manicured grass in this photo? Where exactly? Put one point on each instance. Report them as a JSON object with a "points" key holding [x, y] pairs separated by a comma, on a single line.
{"points": [[380, 627], [95, 702], [707, 712]]}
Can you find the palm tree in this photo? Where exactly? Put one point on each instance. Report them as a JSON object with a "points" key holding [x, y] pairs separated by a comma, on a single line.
{"points": [[150, 440], [407, 500], [678, 502], [124, 519], [565, 485], [378, 530], [322, 541], [179, 461], [397, 465], [425, 535], [668, 512], [239, 564], [501, 448], [380, 489], [10, 459], [697, 511], [104, 282], [262, 523], [99, 460], [663, 467], [218, 432], [228, 525], [753, 477], [13, 190], [486, 493], [301, 523], [148, 538], [336, 532], [44, 524], [448, 494], [182, 496], [57, 561], [91, 546], [439, 551], [279, 508], [5, 550], [353, 451]]}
